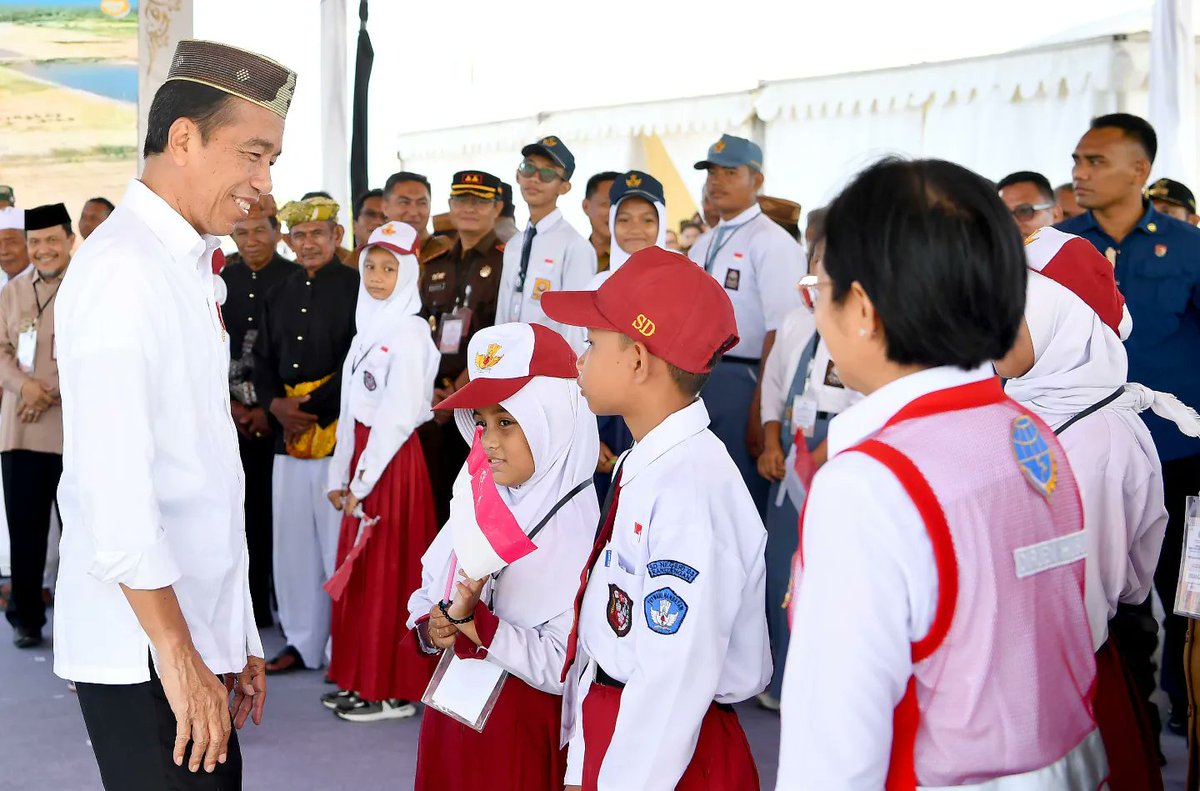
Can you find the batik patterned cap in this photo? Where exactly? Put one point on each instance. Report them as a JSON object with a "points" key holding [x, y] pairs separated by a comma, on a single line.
{"points": [[244, 74], [315, 209]]}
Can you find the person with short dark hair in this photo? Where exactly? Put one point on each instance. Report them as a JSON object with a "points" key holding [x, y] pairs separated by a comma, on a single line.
{"points": [[367, 215], [1064, 196], [669, 627], [304, 333], [153, 606], [689, 232], [31, 416], [95, 211], [1157, 264], [923, 542], [506, 226], [549, 255], [408, 198], [595, 206], [249, 275], [1030, 200]]}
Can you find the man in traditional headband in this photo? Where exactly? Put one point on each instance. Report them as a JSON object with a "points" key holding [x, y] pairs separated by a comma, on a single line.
{"points": [[306, 327], [154, 614]]}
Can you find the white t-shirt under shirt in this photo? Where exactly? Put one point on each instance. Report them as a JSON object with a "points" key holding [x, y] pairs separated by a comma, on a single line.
{"points": [[560, 259]]}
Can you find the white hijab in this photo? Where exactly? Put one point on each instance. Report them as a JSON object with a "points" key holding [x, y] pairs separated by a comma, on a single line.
{"points": [[561, 432], [616, 254], [1079, 361], [377, 319]]}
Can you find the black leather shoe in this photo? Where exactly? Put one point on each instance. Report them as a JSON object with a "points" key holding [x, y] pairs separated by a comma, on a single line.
{"points": [[26, 638]]}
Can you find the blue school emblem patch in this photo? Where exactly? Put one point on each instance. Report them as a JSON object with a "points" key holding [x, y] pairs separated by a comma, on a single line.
{"points": [[1034, 455], [665, 611], [369, 381]]}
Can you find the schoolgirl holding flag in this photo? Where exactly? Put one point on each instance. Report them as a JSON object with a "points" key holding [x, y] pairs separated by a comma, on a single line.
{"points": [[499, 581]]}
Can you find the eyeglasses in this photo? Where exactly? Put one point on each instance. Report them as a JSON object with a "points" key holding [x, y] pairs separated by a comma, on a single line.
{"points": [[545, 175], [1026, 211], [810, 288], [471, 201]]}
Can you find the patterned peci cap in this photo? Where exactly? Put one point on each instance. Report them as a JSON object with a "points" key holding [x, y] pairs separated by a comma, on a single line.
{"points": [[238, 72]]}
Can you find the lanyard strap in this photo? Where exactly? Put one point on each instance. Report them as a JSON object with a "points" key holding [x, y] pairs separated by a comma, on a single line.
{"points": [[1096, 407], [41, 306], [579, 487], [719, 242]]}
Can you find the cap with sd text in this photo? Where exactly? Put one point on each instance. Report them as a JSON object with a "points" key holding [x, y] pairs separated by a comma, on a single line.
{"points": [[659, 298], [554, 149], [731, 152]]}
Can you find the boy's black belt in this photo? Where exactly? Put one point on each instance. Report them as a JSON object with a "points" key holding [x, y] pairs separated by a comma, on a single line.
{"points": [[604, 679]]}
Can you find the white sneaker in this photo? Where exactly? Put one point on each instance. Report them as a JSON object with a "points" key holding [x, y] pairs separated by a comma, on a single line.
{"points": [[768, 702], [374, 711]]}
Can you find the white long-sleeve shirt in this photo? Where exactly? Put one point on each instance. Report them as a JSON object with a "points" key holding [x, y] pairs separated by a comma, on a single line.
{"points": [[152, 484], [674, 605], [390, 389], [560, 259], [850, 658]]}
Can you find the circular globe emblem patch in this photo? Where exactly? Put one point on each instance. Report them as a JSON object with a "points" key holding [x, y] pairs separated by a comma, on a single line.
{"points": [[115, 8], [1034, 456]]}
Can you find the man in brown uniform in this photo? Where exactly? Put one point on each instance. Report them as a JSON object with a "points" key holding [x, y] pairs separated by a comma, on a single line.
{"points": [[459, 288], [31, 440]]}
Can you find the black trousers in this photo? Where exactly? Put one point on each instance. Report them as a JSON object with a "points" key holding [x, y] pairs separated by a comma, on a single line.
{"points": [[1181, 478], [132, 730], [30, 488], [258, 459]]}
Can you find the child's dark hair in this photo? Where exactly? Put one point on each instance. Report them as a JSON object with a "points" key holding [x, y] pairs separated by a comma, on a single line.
{"points": [[937, 252], [689, 384]]}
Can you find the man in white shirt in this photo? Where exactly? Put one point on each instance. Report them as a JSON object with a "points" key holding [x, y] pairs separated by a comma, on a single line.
{"points": [[758, 264], [549, 255], [154, 613]]}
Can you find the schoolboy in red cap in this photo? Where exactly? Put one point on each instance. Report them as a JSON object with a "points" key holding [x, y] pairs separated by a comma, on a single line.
{"points": [[670, 629]]}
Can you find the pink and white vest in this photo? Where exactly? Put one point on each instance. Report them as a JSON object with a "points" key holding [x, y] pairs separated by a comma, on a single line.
{"points": [[1001, 692]]}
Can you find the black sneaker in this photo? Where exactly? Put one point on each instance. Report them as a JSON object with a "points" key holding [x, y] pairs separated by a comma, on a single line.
{"points": [[375, 711], [26, 638], [341, 700]]}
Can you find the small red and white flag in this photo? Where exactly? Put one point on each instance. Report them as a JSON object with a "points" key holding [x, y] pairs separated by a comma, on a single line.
{"points": [[495, 539]]}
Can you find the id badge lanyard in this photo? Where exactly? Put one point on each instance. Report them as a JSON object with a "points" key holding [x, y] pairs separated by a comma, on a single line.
{"points": [[27, 339]]}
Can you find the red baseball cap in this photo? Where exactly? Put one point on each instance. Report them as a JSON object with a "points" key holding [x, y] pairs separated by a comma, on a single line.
{"points": [[502, 359], [659, 298]]}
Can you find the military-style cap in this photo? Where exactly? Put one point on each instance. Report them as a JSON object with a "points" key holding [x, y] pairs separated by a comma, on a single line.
{"points": [[316, 209], [506, 195], [47, 216], [730, 152], [477, 183], [636, 183], [1172, 191], [244, 74], [555, 150], [6, 194], [781, 210]]}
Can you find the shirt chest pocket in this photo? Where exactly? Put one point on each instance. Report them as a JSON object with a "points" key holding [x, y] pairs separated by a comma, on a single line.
{"points": [[624, 579], [1157, 297], [372, 371]]}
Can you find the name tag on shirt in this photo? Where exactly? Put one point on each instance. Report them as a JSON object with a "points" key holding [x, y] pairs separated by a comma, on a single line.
{"points": [[454, 328], [733, 279], [27, 348], [804, 414]]}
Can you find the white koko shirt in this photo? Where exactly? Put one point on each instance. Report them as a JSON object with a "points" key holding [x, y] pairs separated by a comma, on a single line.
{"points": [[152, 483]]}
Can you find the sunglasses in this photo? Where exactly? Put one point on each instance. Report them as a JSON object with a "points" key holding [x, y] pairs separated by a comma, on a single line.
{"points": [[545, 175], [1026, 211], [810, 288]]}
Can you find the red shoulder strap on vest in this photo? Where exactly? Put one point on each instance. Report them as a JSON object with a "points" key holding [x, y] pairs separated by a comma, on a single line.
{"points": [[930, 509], [969, 396]]}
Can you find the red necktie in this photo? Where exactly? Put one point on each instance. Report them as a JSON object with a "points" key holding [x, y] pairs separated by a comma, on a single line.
{"points": [[603, 534]]}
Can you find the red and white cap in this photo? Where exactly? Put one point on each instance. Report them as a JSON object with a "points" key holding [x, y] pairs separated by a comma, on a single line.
{"points": [[1076, 265], [504, 358], [661, 299], [399, 237]]}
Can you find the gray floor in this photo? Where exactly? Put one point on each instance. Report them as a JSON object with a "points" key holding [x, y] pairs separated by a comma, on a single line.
{"points": [[300, 746]]}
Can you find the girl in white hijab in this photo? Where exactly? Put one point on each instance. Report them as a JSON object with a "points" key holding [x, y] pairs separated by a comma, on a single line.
{"points": [[378, 478], [540, 440], [1069, 367]]}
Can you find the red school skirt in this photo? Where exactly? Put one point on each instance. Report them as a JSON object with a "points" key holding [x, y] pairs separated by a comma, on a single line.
{"points": [[370, 614], [517, 751]]}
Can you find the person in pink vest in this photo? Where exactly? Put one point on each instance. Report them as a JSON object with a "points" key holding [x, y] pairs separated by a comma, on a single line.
{"points": [[1070, 368], [939, 633]]}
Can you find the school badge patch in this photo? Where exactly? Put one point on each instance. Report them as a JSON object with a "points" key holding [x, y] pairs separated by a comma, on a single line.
{"points": [[665, 611], [540, 286], [1034, 455], [369, 381], [620, 611], [733, 279]]}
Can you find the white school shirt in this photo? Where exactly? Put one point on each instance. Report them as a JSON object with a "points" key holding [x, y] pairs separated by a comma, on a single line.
{"points": [[1124, 515], [152, 484], [686, 568], [560, 259], [389, 389], [850, 657], [758, 264]]}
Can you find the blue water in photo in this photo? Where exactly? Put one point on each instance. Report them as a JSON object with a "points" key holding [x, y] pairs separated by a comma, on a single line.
{"points": [[114, 80]]}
